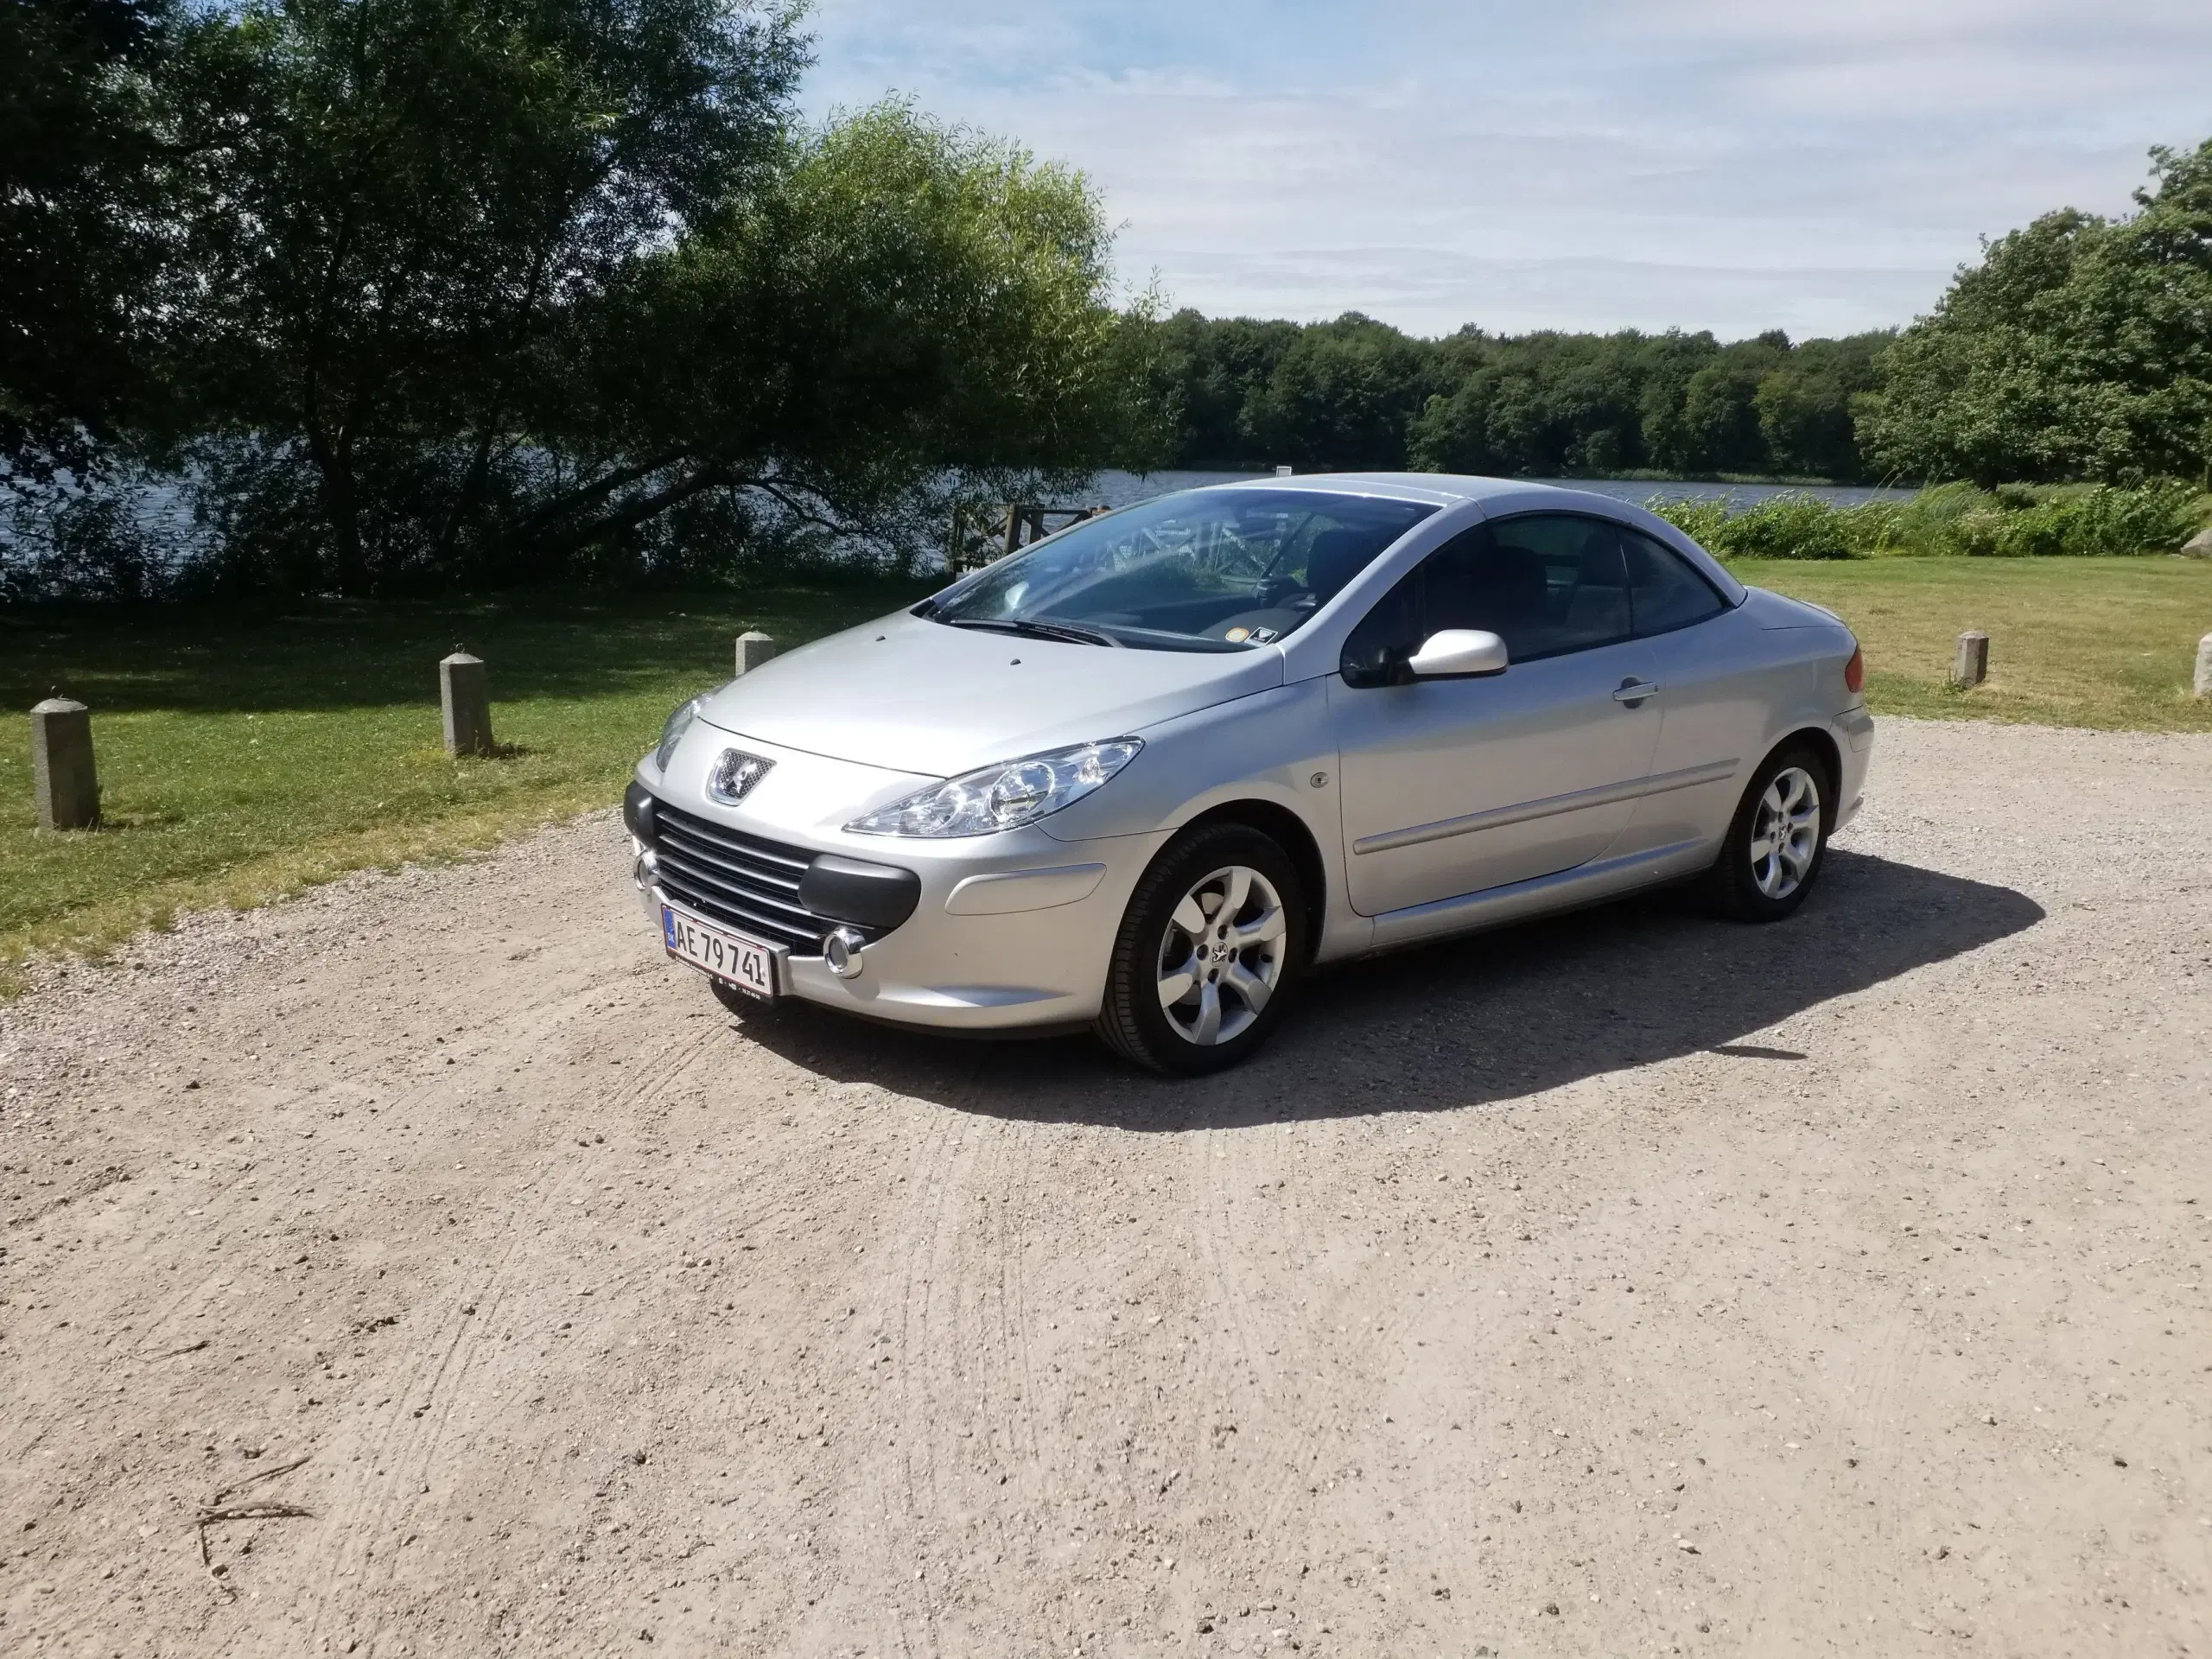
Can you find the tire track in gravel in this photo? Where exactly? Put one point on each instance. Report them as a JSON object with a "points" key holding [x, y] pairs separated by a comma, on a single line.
{"points": [[1881, 1380], [1002, 1381], [904, 1492], [1271, 1417], [977, 1357], [375, 1513]]}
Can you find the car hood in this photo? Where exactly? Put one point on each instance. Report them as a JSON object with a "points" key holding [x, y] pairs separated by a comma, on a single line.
{"points": [[919, 696]]}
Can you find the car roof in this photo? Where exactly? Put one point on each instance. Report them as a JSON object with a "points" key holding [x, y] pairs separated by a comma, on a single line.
{"points": [[1441, 488], [1501, 495]]}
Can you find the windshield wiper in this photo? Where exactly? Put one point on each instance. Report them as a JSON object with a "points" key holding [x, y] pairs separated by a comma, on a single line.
{"points": [[1071, 632]]}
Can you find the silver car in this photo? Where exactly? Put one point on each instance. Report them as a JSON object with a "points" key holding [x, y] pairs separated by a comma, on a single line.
{"points": [[1148, 773]]}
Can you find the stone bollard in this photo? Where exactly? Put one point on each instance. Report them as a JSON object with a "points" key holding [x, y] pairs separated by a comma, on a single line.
{"points": [[752, 650], [468, 699], [1971, 665], [2205, 666], [62, 778]]}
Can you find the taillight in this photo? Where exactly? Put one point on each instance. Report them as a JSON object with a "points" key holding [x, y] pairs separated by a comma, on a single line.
{"points": [[1854, 671]]}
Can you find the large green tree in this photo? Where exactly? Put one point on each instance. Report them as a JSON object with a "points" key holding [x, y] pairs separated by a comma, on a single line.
{"points": [[396, 209], [902, 307], [80, 240], [2080, 348]]}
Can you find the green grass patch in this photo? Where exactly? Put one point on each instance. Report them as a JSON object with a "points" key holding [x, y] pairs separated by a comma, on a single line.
{"points": [[247, 753], [2095, 642]]}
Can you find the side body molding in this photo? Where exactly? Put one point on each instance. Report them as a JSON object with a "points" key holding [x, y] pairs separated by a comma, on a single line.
{"points": [[1549, 806]]}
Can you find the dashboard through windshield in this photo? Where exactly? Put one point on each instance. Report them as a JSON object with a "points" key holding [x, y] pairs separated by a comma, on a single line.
{"points": [[1200, 570]]}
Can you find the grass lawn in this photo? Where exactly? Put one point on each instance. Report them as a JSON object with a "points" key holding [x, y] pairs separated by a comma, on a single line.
{"points": [[2072, 642], [248, 752]]}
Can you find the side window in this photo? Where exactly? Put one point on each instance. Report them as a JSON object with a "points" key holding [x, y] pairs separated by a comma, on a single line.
{"points": [[1376, 649], [1546, 584], [1666, 592], [1550, 583]]}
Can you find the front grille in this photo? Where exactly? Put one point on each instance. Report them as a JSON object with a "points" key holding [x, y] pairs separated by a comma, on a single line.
{"points": [[748, 882]]}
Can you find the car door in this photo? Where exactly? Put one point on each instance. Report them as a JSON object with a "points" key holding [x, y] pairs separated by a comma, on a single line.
{"points": [[1452, 787], [1713, 703]]}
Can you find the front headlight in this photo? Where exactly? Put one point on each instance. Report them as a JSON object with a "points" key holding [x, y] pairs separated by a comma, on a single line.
{"points": [[1003, 797], [672, 734]]}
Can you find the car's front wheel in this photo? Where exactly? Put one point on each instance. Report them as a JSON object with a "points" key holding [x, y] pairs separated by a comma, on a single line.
{"points": [[1208, 953], [1777, 840]]}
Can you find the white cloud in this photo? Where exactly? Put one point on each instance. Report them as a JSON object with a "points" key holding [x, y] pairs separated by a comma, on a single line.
{"points": [[1730, 164]]}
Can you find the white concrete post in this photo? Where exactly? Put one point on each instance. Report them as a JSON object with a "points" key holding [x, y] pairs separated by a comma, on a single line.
{"points": [[2205, 666], [752, 650], [62, 778], [466, 697], [1971, 665]]}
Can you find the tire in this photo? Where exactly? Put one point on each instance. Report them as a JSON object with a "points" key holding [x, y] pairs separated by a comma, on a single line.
{"points": [[1174, 929], [1758, 877]]}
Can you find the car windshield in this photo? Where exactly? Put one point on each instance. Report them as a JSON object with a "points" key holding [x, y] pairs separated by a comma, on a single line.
{"points": [[1203, 570]]}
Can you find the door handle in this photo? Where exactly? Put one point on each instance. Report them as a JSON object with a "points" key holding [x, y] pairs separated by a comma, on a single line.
{"points": [[1634, 691]]}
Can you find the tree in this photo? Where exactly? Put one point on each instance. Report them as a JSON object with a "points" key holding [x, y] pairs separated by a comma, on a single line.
{"points": [[905, 305], [2078, 348], [78, 246], [1338, 396], [1210, 372], [396, 209], [1805, 406]]}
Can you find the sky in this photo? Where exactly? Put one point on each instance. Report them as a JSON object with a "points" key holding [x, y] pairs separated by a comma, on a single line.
{"points": [[1735, 165]]}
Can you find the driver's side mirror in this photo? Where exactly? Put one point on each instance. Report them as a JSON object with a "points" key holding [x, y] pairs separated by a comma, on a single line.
{"points": [[1457, 653]]}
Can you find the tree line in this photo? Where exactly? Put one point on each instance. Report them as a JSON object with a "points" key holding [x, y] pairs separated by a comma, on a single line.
{"points": [[393, 294], [1358, 393], [2078, 349]]}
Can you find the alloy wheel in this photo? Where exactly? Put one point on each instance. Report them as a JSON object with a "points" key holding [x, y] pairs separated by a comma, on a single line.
{"points": [[1786, 832], [1222, 956]]}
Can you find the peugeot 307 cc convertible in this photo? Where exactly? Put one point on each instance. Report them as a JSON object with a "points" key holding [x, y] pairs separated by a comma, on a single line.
{"points": [[1147, 773]]}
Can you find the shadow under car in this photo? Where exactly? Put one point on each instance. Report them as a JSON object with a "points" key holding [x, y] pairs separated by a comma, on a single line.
{"points": [[1466, 1022]]}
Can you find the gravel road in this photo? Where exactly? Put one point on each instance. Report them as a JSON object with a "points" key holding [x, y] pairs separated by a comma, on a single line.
{"points": [[1631, 1283]]}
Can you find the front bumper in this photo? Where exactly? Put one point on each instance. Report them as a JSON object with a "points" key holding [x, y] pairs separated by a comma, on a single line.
{"points": [[1010, 931]]}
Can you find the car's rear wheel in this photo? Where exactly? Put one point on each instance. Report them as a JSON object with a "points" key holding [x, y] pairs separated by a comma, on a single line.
{"points": [[1208, 953], [1778, 840]]}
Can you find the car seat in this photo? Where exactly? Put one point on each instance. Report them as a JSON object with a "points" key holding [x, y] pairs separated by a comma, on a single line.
{"points": [[1335, 558], [1508, 595], [1598, 608]]}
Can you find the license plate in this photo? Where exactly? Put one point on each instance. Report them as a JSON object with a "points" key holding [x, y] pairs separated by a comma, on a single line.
{"points": [[730, 958]]}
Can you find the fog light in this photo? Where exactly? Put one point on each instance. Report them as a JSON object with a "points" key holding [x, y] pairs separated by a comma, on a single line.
{"points": [[841, 950], [646, 871]]}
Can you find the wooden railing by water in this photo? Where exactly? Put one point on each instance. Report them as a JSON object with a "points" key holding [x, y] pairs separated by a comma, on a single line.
{"points": [[979, 537]]}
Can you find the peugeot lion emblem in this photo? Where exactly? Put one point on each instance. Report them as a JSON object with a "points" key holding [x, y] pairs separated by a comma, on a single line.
{"points": [[735, 774]]}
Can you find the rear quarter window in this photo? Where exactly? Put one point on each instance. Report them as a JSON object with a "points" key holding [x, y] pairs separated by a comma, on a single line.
{"points": [[1665, 591]]}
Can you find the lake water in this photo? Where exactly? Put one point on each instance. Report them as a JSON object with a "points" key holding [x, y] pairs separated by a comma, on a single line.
{"points": [[1120, 489], [162, 509]]}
